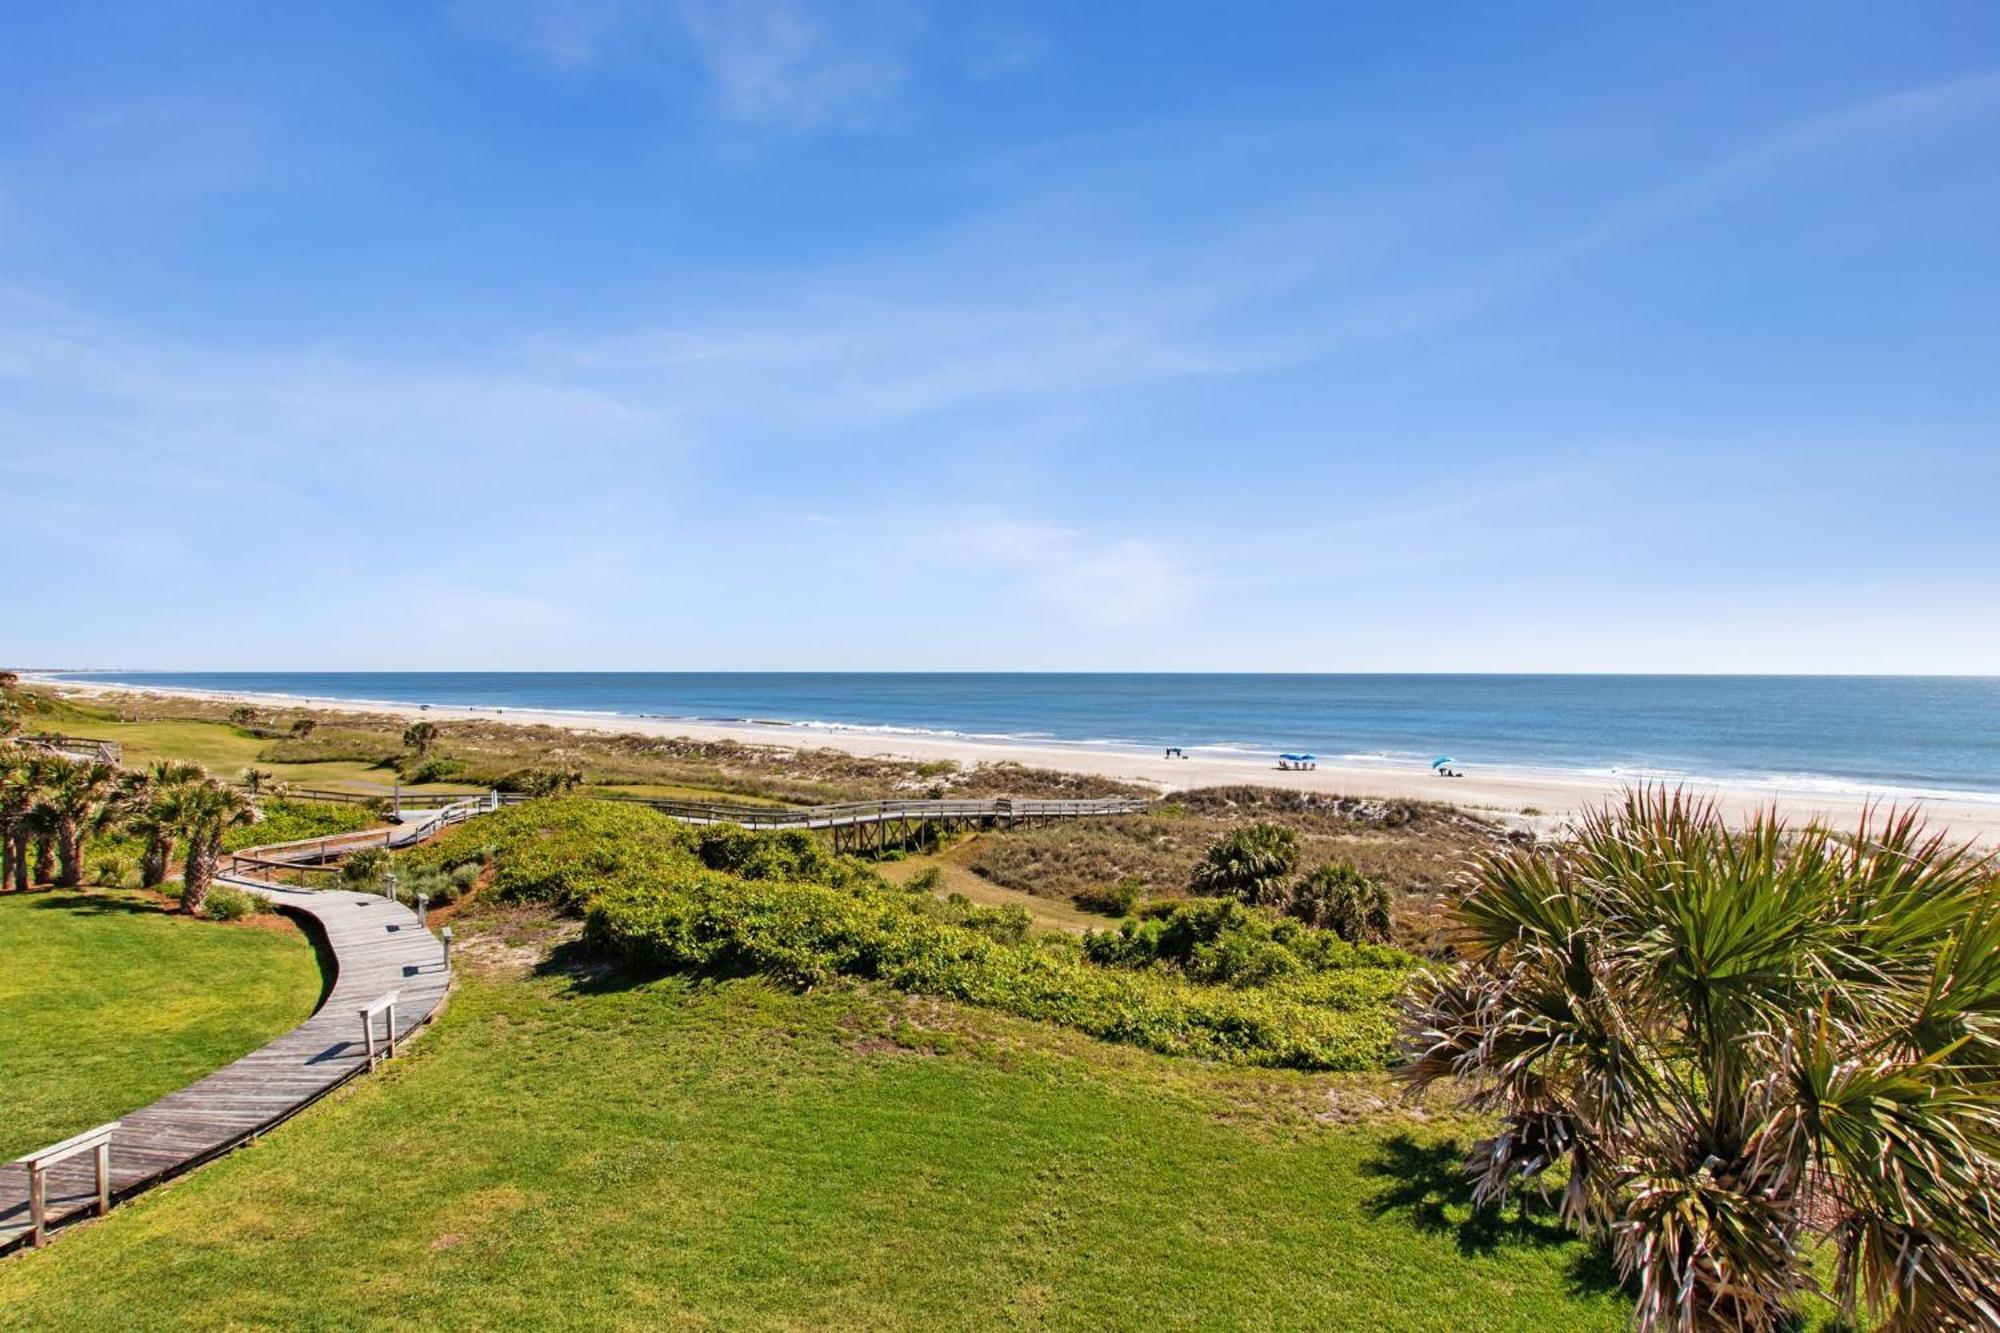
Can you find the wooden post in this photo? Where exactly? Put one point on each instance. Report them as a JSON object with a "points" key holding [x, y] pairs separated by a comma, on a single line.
{"points": [[38, 1205], [104, 1177]]}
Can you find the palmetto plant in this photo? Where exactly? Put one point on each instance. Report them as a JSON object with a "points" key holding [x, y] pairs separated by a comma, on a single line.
{"points": [[1740, 1046], [203, 812], [1253, 865], [420, 736]]}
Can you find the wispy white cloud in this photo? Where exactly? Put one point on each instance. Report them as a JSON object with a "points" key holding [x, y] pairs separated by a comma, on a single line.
{"points": [[786, 64], [782, 64]]}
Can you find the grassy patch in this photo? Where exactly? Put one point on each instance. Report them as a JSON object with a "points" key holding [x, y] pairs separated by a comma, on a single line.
{"points": [[590, 1149], [1047, 913], [110, 1002]]}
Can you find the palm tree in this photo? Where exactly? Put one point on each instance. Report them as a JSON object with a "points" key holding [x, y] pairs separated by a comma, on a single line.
{"points": [[21, 776], [1250, 865], [1730, 1041], [420, 736], [147, 807], [78, 798], [205, 811], [254, 778]]}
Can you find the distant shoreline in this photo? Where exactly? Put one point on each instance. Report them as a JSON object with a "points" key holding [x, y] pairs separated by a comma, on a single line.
{"points": [[1542, 797]]}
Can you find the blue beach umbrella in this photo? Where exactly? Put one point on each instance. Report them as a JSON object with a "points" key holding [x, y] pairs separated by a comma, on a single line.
{"points": [[1442, 760]]}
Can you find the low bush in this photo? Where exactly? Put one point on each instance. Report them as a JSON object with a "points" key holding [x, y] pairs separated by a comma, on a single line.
{"points": [[1117, 898], [226, 902], [725, 900], [1008, 925], [286, 820], [434, 768], [928, 880], [1222, 942], [1339, 898], [363, 870]]}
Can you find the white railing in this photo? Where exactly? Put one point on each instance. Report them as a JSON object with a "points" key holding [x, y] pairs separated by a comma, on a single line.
{"points": [[38, 1164], [386, 1007]]}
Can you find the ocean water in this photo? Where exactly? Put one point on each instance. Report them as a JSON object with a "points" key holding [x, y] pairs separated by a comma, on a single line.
{"points": [[1898, 733]]}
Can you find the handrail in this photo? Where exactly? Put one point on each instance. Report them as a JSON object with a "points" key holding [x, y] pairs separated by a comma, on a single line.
{"points": [[863, 812], [386, 1005], [40, 1161], [90, 748]]}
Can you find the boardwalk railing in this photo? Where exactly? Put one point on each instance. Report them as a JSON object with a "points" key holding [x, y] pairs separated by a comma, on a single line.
{"points": [[384, 1006], [38, 1163], [305, 857], [73, 747], [862, 826], [1002, 809]]}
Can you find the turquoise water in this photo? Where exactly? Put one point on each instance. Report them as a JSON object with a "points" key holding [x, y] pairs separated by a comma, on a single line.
{"points": [[1933, 734]]}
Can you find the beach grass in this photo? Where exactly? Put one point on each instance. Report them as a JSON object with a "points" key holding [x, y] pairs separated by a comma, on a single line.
{"points": [[112, 1000], [577, 1147]]}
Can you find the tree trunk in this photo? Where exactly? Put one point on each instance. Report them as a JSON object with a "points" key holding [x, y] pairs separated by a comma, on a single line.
{"points": [[6, 861], [45, 857], [17, 853], [204, 854], [154, 861], [69, 854]]}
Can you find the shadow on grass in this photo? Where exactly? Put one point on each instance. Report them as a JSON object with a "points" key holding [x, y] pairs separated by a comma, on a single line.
{"points": [[590, 972], [84, 902], [1426, 1183]]}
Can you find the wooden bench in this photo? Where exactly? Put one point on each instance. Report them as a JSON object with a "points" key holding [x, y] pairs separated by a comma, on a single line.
{"points": [[38, 1164]]}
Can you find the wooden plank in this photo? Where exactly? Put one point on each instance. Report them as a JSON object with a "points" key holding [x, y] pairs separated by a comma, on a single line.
{"points": [[378, 946]]}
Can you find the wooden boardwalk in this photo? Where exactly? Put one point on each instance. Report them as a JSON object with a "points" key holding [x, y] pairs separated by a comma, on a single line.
{"points": [[377, 945]]}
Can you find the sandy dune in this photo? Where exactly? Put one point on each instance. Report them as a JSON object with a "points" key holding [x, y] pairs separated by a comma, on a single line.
{"points": [[1542, 797]]}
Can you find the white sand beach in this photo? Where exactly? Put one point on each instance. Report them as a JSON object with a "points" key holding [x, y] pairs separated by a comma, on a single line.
{"points": [[1543, 798]]}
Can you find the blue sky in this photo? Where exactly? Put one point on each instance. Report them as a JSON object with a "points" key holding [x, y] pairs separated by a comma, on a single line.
{"points": [[711, 334]]}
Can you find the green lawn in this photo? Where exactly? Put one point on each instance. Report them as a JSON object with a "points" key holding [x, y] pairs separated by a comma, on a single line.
{"points": [[227, 751], [582, 1149], [110, 1001]]}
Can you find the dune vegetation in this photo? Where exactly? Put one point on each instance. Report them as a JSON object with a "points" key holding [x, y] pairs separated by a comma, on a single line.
{"points": [[1233, 983]]}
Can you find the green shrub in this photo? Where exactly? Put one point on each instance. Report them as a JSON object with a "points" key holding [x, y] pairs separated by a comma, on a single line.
{"points": [[1008, 925], [807, 933], [1339, 898], [435, 768], [1115, 899], [363, 870], [1251, 865], [1222, 941], [284, 820], [723, 900], [560, 851], [115, 870], [226, 902], [928, 880]]}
